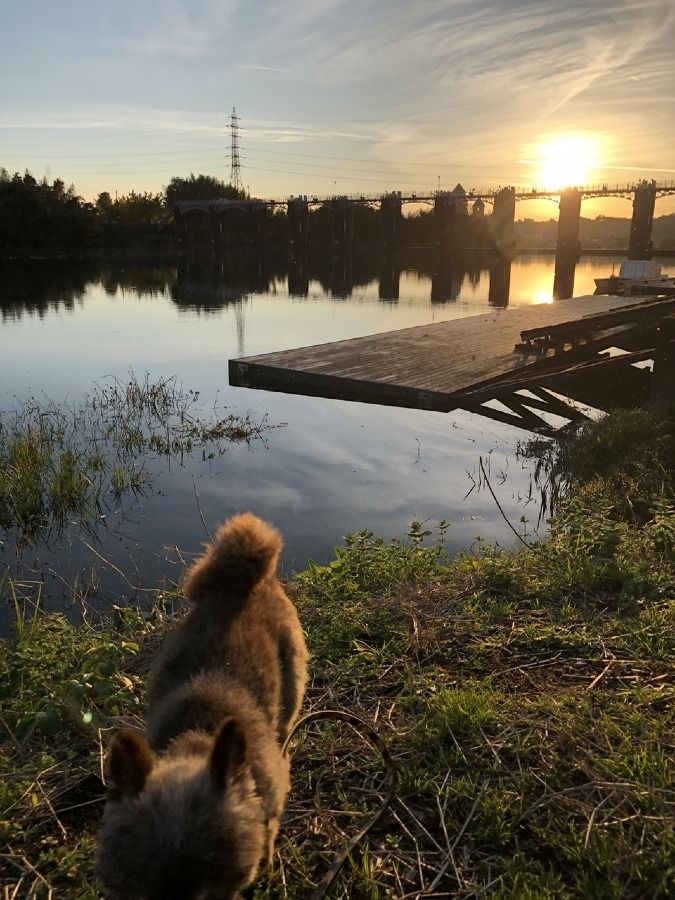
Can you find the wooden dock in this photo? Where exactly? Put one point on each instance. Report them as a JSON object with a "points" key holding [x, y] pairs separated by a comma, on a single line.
{"points": [[465, 363]]}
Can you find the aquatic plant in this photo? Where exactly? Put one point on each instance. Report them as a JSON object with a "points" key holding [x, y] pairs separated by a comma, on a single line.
{"points": [[60, 461]]}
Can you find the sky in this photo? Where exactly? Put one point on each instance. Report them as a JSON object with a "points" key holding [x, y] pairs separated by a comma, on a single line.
{"points": [[342, 96]]}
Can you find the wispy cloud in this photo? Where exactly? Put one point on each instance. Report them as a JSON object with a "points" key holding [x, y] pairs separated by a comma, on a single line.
{"points": [[411, 86], [263, 68]]}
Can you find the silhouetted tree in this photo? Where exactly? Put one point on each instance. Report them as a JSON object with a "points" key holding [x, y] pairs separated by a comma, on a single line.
{"points": [[36, 214], [200, 187], [131, 209]]}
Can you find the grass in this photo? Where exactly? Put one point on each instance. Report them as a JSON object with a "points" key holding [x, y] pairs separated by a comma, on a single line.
{"points": [[61, 462], [626, 459], [525, 696]]}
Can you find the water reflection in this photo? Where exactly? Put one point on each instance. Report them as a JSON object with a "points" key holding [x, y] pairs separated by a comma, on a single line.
{"points": [[563, 280], [210, 281], [34, 287], [390, 279], [336, 467], [500, 283]]}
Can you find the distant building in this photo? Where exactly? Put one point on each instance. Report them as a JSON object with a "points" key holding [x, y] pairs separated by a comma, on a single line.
{"points": [[459, 198], [478, 208]]}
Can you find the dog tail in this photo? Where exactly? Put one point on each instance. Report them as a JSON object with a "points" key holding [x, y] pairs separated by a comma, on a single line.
{"points": [[245, 550]]}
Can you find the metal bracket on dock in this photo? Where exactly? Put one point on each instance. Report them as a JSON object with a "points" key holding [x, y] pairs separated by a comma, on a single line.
{"points": [[242, 374]]}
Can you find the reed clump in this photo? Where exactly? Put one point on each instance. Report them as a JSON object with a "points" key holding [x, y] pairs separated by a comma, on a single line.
{"points": [[60, 461]]}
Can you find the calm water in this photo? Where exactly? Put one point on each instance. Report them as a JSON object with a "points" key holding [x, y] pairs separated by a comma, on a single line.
{"points": [[334, 468]]}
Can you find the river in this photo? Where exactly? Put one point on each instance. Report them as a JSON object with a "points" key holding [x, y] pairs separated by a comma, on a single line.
{"points": [[332, 469]]}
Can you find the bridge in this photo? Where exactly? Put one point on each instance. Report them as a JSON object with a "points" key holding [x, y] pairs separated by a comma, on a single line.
{"points": [[448, 207]]}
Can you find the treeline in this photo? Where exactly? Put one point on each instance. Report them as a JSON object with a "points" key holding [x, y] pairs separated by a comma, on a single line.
{"points": [[608, 232], [36, 215]]}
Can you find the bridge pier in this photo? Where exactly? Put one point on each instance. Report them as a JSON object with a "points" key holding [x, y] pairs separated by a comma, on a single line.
{"points": [[391, 211], [215, 228], [342, 224], [445, 212], [179, 225], [258, 225], [503, 219], [567, 246], [298, 219], [640, 242]]}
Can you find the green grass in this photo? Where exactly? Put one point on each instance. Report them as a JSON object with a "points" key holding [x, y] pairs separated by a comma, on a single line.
{"points": [[626, 460], [526, 697]]}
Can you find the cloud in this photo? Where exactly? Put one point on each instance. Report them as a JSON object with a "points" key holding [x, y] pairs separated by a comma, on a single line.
{"points": [[263, 68]]}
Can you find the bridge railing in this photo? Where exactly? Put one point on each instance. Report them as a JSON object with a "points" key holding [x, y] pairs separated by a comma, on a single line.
{"points": [[423, 196]]}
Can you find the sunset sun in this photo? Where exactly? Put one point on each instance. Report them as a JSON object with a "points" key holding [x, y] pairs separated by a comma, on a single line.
{"points": [[566, 161]]}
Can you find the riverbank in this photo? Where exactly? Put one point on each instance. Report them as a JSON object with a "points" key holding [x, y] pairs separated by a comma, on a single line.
{"points": [[525, 696]]}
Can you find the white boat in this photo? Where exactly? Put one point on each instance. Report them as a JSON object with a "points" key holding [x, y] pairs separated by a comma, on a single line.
{"points": [[635, 274]]}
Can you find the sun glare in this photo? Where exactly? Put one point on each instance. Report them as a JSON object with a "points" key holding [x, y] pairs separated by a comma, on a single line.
{"points": [[566, 161]]}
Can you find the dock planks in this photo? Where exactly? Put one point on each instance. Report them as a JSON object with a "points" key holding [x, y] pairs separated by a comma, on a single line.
{"points": [[438, 366]]}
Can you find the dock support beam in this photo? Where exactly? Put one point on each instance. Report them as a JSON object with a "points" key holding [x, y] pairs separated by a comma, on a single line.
{"points": [[640, 243], [298, 219], [662, 389], [391, 211], [503, 218]]}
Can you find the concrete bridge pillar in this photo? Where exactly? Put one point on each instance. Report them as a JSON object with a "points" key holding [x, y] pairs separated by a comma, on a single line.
{"points": [[342, 223], [258, 224], [215, 227], [179, 225], [444, 215], [503, 218], [567, 249], [391, 211], [298, 219], [640, 243], [190, 232]]}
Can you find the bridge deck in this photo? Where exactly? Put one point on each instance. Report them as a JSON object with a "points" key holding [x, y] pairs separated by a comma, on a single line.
{"points": [[446, 365]]}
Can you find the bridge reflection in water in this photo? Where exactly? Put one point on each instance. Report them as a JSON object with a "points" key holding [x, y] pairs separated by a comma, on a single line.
{"points": [[211, 279]]}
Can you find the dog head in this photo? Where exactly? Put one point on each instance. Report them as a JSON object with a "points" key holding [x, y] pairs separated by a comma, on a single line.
{"points": [[189, 824]]}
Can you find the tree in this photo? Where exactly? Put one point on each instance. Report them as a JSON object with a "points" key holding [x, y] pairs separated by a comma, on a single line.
{"points": [[200, 187], [36, 214]]}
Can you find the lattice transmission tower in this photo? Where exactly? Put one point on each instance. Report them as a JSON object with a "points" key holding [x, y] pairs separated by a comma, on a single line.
{"points": [[235, 170]]}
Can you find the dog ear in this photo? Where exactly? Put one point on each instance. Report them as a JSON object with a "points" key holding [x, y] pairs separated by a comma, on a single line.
{"points": [[130, 761], [228, 755]]}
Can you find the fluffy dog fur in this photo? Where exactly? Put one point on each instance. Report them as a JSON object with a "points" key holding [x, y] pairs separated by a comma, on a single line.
{"points": [[193, 809]]}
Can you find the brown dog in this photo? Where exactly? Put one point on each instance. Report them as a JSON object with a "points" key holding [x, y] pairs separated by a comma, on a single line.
{"points": [[193, 811]]}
